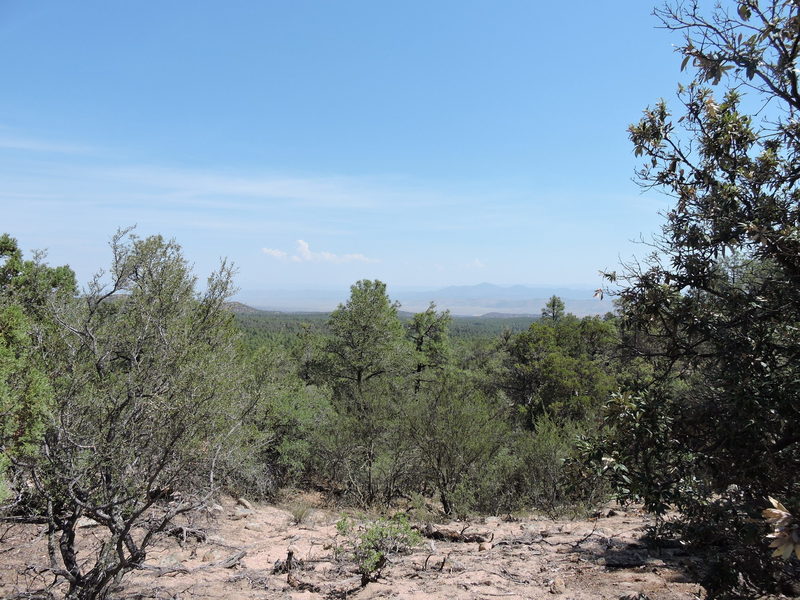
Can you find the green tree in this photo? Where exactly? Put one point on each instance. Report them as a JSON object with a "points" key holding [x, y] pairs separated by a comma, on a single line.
{"points": [[144, 383], [554, 309], [428, 333], [365, 361], [548, 372], [25, 397], [25, 393], [278, 433], [716, 308], [30, 283], [366, 342]]}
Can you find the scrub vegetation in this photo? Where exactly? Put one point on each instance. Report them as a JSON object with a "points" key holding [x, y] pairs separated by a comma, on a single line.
{"points": [[140, 397]]}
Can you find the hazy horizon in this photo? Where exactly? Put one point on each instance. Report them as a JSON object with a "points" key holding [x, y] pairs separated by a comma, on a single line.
{"points": [[474, 300]]}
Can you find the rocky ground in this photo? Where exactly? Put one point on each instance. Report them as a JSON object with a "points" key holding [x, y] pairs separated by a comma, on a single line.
{"points": [[240, 558]]}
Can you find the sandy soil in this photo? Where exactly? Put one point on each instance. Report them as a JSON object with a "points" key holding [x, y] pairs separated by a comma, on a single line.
{"points": [[603, 557]]}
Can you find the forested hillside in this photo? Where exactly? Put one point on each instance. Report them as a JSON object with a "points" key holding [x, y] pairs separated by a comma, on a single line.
{"points": [[262, 327]]}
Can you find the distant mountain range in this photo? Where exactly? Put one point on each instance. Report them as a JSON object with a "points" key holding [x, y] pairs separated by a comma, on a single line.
{"points": [[467, 300]]}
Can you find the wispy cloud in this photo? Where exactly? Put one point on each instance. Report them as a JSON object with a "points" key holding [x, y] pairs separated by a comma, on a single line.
{"points": [[89, 182], [305, 254], [11, 142], [191, 185], [81, 175]]}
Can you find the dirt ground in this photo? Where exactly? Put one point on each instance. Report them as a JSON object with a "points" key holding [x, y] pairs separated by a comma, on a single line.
{"points": [[602, 557]]}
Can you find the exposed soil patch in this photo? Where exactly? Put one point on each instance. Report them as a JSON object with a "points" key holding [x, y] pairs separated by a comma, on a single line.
{"points": [[244, 556]]}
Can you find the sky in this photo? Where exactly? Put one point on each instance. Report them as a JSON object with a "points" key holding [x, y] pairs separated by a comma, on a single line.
{"points": [[315, 143]]}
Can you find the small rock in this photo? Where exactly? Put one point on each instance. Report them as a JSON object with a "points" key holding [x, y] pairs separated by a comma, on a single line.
{"points": [[87, 522], [253, 526], [245, 503], [484, 546], [170, 560], [557, 586], [209, 556], [240, 513], [216, 539], [454, 565]]}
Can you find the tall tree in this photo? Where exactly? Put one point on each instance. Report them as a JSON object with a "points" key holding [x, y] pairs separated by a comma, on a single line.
{"points": [[716, 308], [366, 342], [553, 310], [548, 371], [365, 361]]}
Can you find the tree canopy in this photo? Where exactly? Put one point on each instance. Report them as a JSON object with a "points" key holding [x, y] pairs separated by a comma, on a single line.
{"points": [[715, 308]]}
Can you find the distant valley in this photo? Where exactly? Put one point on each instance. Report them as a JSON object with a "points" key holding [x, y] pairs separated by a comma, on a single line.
{"points": [[484, 299]]}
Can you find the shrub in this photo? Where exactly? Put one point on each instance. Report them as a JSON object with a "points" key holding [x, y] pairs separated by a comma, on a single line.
{"points": [[371, 544], [142, 370], [539, 469]]}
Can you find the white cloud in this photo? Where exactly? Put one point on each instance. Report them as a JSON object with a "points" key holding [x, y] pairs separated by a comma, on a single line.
{"points": [[274, 253], [305, 254], [477, 264]]}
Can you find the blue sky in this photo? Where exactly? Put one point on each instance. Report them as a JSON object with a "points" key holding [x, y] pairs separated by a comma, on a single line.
{"points": [[317, 143]]}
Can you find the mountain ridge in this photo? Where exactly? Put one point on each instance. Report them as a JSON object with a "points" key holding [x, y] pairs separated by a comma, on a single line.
{"points": [[466, 300]]}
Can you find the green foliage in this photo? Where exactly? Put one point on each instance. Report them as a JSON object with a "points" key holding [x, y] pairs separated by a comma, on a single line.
{"points": [[366, 341], [265, 328], [25, 393], [274, 445], [554, 309], [283, 329], [428, 333], [716, 308], [373, 542], [663, 476], [549, 483], [457, 430], [365, 361], [30, 283], [540, 470], [144, 380], [561, 369]]}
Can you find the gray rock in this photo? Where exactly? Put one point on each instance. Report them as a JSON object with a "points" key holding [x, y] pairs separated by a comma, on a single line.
{"points": [[240, 513], [245, 503], [625, 559], [557, 586], [87, 522]]}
